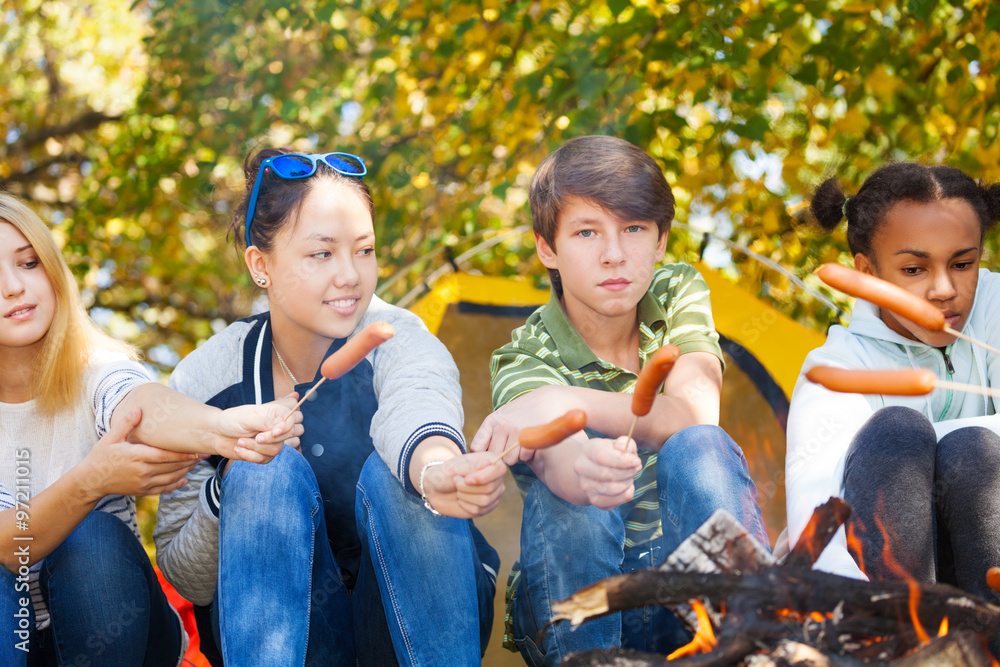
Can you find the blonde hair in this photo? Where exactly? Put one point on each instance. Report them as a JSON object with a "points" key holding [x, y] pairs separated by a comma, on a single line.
{"points": [[73, 337]]}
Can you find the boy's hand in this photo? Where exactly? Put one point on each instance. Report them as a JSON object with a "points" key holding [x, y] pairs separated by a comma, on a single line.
{"points": [[501, 428], [116, 466], [257, 433], [606, 469], [466, 486]]}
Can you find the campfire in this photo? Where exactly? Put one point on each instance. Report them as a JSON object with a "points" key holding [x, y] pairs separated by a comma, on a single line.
{"points": [[747, 609]]}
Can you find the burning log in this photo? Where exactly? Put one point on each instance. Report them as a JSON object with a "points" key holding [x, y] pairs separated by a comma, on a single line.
{"points": [[957, 649], [767, 605], [823, 525], [802, 592]]}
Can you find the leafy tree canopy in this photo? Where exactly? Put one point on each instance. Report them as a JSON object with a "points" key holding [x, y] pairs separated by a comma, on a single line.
{"points": [[126, 124]]}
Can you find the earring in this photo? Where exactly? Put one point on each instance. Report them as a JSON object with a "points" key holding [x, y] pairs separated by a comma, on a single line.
{"points": [[260, 281]]}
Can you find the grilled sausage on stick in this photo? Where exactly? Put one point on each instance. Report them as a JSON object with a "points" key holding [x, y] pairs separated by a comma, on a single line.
{"points": [[546, 435], [350, 354], [891, 297], [902, 382], [650, 379]]}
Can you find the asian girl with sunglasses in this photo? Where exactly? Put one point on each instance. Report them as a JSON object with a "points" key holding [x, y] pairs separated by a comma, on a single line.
{"points": [[83, 429], [357, 548]]}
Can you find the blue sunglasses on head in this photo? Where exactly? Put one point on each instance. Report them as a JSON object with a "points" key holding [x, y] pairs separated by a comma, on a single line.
{"points": [[296, 165]]}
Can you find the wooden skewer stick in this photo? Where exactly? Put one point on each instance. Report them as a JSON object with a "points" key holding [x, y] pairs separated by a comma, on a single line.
{"points": [[546, 435], [969, 388], [959, 334], [631, 429], [506, 452], [309, 393]]}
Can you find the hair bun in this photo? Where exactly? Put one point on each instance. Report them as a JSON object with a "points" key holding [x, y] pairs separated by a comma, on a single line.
{"points": [[828, 204], [991, 194]]}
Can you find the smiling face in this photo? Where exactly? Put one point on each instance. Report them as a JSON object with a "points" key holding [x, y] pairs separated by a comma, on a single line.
{"points": [[322, 271], [605, 264], [27, 298], [932, 250]]}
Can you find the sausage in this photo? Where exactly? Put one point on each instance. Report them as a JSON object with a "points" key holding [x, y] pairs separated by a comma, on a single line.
{"points": [[356, 349], [883, 294], [903, 382], [993, 578], [557, 430], [652, 376]]}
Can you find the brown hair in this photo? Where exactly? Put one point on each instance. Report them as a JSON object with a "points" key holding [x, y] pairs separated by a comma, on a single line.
{"points": [[613, 174], [279, 199]]}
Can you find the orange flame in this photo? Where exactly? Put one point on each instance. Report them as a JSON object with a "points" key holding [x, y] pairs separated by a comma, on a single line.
{"points": [[943, 629], [897, 569], [704, 639], [854, 546]]}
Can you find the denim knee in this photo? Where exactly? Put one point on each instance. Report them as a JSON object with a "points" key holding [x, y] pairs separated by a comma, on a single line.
{"points": [[287, 475], [377, 479], [101, 553], [565, 523], [692, 451], [697, 440]]}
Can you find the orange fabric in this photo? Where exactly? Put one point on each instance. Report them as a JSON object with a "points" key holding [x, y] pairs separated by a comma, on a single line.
{"points": [[186, 611]]}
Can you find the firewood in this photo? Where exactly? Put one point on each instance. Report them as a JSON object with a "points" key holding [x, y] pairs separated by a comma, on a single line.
{"points": [[955, 649], [802, 591], [823, 525], [790, 653]]}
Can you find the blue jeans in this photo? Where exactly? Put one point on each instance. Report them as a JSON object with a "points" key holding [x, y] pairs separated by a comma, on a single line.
{"points": [[281, 599], [565, 547], [105, 604]]}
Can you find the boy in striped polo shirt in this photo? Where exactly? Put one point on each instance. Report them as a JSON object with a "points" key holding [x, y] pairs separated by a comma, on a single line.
{"points": [[599, 504]]}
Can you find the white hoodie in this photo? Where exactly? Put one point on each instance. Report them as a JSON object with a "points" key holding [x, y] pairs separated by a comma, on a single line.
{"points": [[822, 423]]}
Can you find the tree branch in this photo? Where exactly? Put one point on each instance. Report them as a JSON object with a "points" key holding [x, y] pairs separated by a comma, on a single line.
{"points": [[87, 121]]}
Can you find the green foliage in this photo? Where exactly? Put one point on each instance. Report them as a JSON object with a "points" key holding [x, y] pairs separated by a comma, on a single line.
{"points": [[127, 127]]}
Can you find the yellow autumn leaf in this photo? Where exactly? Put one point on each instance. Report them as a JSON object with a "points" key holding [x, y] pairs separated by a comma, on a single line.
{"points": [[882, 84], [769, 221], [854, 122]]}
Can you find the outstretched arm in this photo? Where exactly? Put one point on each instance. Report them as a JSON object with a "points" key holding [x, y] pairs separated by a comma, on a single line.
{"points": [[690, 397], [179, 423]]}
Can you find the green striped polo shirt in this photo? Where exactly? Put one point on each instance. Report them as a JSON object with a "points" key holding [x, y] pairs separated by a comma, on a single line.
{"points": [[547, 350]]}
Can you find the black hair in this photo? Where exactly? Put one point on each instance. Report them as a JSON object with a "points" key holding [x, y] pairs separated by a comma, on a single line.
{"points": [[899, 182], [613, 174], [279, 199]]}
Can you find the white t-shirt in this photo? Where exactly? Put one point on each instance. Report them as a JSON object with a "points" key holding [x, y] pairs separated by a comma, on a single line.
{"points": [[37, 449]]}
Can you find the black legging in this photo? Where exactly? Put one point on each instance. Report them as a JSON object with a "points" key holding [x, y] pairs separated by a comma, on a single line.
{"points": [[939, 501]]}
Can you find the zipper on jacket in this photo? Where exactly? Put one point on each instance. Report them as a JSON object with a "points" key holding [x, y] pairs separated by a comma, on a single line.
{"points": [[948, 393], [947, 361]]}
